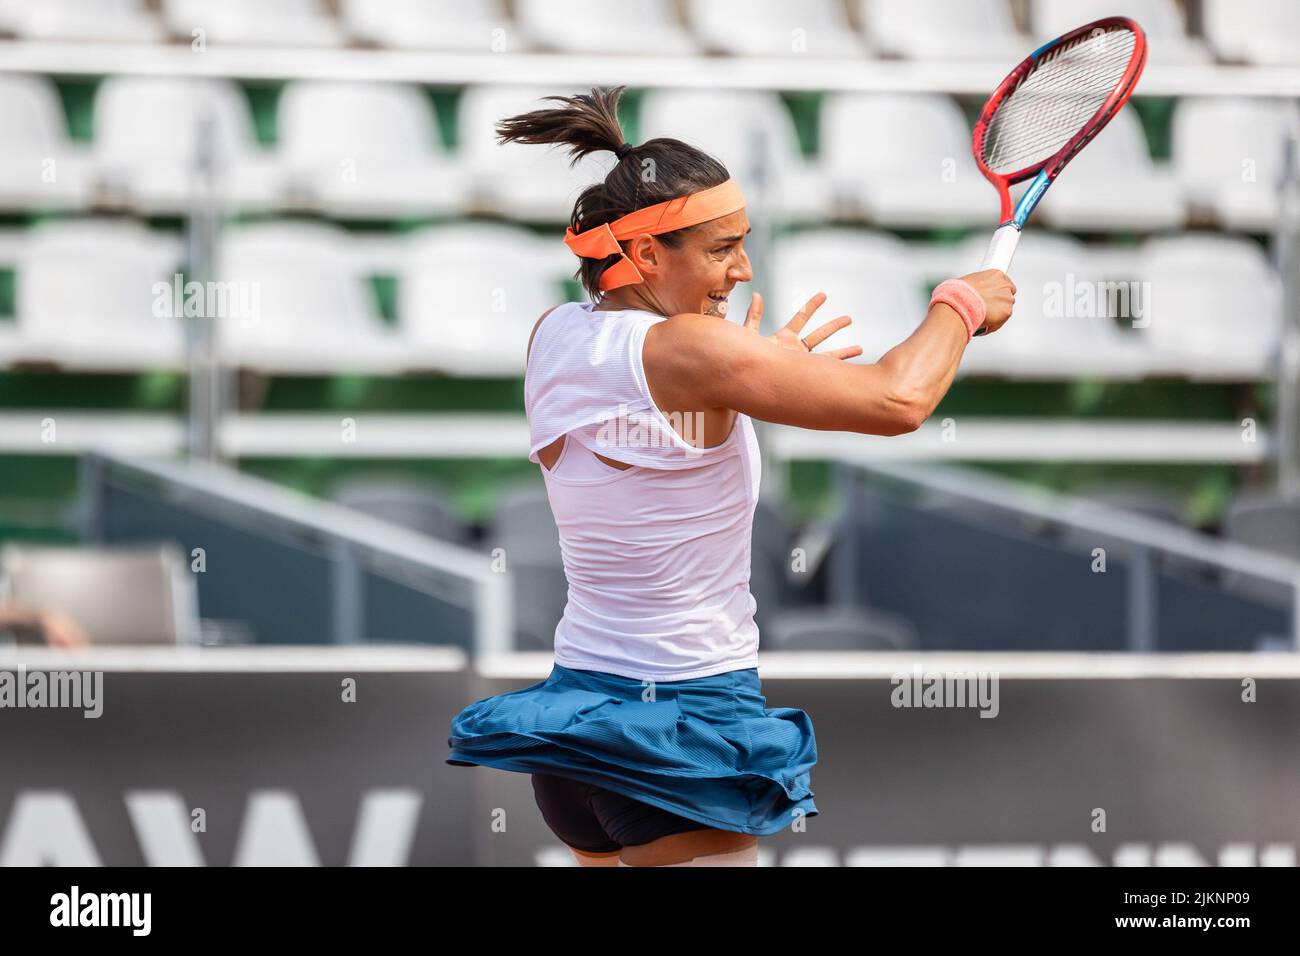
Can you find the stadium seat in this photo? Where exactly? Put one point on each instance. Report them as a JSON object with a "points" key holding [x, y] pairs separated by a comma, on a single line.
{"points": [[134, 595], [540, 592], [250, 22], [147, 138], [865, 275], [366, 149], [943, 30], [731, 126], [470, 294], [1063, 325], [904, 160], [817, 28], [773, 541], [1217, 308], [525, 182], [466, 26], [1229, 153], [1161, 20], [522, 520], [309, 305], [1115, 185], [839, 629], [1265, 520], [585, 26], [86, 295], [412, 504], [118, 20], [40, 167], [1262, 32]]}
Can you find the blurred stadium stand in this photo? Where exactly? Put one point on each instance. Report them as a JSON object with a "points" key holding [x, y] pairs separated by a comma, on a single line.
{"points": [[345, 150]]}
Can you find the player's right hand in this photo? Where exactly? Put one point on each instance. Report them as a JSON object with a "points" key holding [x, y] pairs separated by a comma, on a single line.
{"points": [[999, 294]]}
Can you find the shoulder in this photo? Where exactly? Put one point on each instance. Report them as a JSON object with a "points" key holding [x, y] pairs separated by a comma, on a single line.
{"points": [[536, 325], [693, 339], [684, 353]]}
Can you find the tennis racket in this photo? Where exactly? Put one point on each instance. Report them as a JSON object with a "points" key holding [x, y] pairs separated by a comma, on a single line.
{"points": [[1046, 110]]}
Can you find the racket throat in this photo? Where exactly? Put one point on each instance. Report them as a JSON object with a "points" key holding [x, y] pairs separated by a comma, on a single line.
{"points": [[1002, 247], [1030, 199]]}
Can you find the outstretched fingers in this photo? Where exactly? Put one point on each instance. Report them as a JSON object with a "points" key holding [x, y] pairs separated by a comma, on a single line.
{"points": [[801, 317], [816, 337]]}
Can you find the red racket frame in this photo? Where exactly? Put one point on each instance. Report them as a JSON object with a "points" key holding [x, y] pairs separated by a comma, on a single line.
{"points": [[1056, 162]]}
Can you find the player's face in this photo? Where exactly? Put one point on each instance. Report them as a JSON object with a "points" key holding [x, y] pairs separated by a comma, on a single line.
{"points": [[709, 263]]}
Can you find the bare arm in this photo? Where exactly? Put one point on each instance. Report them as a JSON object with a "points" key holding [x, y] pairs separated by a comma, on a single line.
{"points": [[695, 362]]}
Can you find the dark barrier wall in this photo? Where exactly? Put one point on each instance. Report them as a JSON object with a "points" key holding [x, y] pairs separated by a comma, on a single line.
{"points": [[1183, 768], [284, 770], [281, 766]]}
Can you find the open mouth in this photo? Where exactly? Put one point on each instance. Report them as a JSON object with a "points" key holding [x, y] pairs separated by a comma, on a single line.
{"points": [[719, 300]]}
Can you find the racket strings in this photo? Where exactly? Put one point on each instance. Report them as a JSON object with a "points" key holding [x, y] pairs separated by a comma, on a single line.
{"points": [[1058, 97]]}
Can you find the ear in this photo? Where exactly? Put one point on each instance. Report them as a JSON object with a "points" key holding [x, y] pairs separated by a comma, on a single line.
{"points": [[646, 254]]}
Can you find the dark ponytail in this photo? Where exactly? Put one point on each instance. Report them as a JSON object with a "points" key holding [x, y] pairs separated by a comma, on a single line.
{"points": [[656, 171]]}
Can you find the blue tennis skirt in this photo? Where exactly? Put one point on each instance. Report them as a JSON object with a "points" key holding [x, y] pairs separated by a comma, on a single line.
{"points": [[706, 749]]}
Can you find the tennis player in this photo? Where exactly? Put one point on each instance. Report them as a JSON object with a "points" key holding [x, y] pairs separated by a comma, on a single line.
{"points": [[650, 743]]}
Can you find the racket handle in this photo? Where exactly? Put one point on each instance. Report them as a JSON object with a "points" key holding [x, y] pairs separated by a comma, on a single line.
{"points": [[1002, 248]]}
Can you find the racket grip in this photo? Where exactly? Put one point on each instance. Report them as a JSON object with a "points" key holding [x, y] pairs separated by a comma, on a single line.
{"points": [[1002, 248]]}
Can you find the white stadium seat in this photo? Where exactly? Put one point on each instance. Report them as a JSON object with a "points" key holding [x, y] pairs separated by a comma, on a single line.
{"points": [[521, 181], [1161, 20], [40, 167], [815, 28], [588, 26], [865, 275], [1217, 307], [1262, 32], [904, 160], [147, 131], [1229, 154], [944, 29], [366, 149], [729, 125], [461, 25], [1114, 184], [1062, 326], [85, 294], [120, 20], [470, 294], [270, 22], [310, 304]]}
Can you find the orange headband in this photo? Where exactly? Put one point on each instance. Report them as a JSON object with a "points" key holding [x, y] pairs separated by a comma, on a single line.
{"points": [[602, 241]]}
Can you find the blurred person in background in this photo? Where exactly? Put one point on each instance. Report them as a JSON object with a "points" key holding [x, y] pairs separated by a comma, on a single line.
{"points": [[53, 626], [650, 743]]}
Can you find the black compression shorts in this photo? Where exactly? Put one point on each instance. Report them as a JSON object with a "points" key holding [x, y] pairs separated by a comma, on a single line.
{"points": [[595, 820]]}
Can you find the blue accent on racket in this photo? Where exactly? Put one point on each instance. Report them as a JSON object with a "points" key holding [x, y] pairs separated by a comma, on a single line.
{"points": [[1030, 199]]}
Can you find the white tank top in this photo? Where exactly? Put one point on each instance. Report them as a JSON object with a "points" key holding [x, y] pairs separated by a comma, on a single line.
{"points": [[657, 556]]}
